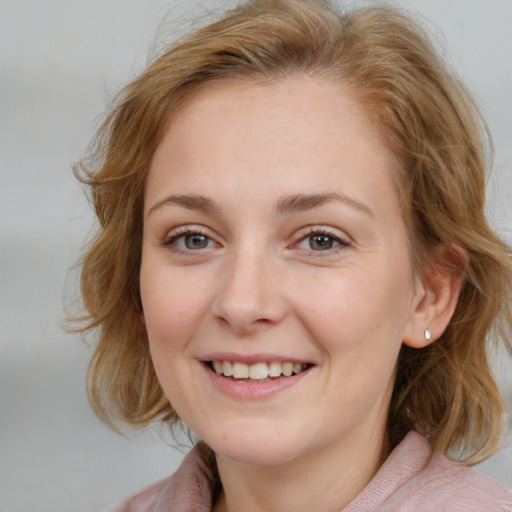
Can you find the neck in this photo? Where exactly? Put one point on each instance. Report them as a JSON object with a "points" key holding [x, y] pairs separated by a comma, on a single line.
{"points": [[328, 479]]}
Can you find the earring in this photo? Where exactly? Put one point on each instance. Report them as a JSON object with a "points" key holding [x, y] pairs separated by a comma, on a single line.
{"points": [[427, 335]]}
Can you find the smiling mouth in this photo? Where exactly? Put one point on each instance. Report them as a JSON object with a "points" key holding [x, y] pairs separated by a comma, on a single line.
{"points": [[258, 372]]}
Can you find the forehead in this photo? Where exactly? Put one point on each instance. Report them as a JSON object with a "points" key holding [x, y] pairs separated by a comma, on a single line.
{"points": [[298, 106], [274, 133]]}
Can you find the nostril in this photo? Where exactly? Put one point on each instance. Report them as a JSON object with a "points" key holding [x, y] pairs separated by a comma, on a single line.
{"points": [[250, 296]]}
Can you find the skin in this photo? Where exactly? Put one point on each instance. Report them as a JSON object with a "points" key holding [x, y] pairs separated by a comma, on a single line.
{"points": [[261, 289]]}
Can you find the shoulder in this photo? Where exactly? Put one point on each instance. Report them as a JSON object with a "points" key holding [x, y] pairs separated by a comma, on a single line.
{"points": [[450, 486], [144, 500], [189, 488], [413, 481]]}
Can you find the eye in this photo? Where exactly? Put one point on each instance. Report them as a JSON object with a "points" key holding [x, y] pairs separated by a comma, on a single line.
{"points": [[321, 241], [195, 241], [189, 241]]}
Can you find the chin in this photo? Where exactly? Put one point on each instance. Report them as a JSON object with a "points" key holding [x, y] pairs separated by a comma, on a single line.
{"points": [[255, 454], [255, 446]]}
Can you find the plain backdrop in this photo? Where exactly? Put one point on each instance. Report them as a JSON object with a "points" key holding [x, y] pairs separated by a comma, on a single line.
{"points": [[61, 62]]}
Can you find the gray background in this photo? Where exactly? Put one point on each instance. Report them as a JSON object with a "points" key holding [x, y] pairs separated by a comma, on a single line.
{"points": [[61, 61]]}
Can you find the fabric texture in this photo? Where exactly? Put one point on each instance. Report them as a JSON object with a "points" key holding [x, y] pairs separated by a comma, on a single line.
{"points": [[407, 482]]}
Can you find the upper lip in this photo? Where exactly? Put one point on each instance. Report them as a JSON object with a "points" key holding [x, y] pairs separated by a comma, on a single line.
{"points": [[252, 358]]}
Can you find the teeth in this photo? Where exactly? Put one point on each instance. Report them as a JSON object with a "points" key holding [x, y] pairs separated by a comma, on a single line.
{"points": [[287, 369], [274, 369], [258, 371], [240, 371], [227, 368]]}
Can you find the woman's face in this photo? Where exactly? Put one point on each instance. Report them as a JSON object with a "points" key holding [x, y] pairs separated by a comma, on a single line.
{"points": [[274, 244]]}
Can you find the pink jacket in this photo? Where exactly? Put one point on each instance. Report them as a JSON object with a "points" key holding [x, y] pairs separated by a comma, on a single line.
{"points": [[407, 482]]}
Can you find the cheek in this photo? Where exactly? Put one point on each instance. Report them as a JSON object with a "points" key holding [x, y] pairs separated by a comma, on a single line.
{"points": [[359, 312], [172, 306]]}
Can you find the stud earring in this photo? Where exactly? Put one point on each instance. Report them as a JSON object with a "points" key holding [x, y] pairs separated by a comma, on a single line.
{"points": [[427, 335]]}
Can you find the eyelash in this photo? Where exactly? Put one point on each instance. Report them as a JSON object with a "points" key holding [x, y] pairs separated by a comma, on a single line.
{"points": [[342, 243], [170, 242]]}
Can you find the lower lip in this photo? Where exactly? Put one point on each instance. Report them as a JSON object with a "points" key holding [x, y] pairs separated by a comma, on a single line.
{"points": [[253, 390]]}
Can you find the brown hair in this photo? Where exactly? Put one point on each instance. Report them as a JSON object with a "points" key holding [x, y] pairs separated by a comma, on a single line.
{"points": [[447, 390]]}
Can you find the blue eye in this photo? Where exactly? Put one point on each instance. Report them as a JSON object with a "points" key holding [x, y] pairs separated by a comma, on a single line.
{"points": [[195, 241], [319, 241], [322, 242], [190, 241]]}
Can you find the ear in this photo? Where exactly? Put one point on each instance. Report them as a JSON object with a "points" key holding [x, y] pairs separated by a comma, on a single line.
{"points": [[437, 296]]}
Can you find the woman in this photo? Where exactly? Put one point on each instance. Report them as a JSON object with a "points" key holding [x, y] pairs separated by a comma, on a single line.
{"points": [[293, 261]]}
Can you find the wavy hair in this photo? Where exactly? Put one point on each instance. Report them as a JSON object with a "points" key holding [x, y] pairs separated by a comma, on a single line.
{"points": [[426, 117]]}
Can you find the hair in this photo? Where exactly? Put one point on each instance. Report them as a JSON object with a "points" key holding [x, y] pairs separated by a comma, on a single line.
{"points": [[425, 116]]}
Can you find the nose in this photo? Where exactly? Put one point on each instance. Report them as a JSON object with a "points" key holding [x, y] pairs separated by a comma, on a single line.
{"points": [[251, 296]]}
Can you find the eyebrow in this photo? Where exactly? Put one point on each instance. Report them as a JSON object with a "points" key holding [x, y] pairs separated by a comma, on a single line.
{"points": [[189, 201], [290, 204], [302, 202]]}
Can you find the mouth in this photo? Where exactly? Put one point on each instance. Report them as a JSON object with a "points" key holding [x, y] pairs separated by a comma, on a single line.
{"points": [[258, 372]]}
